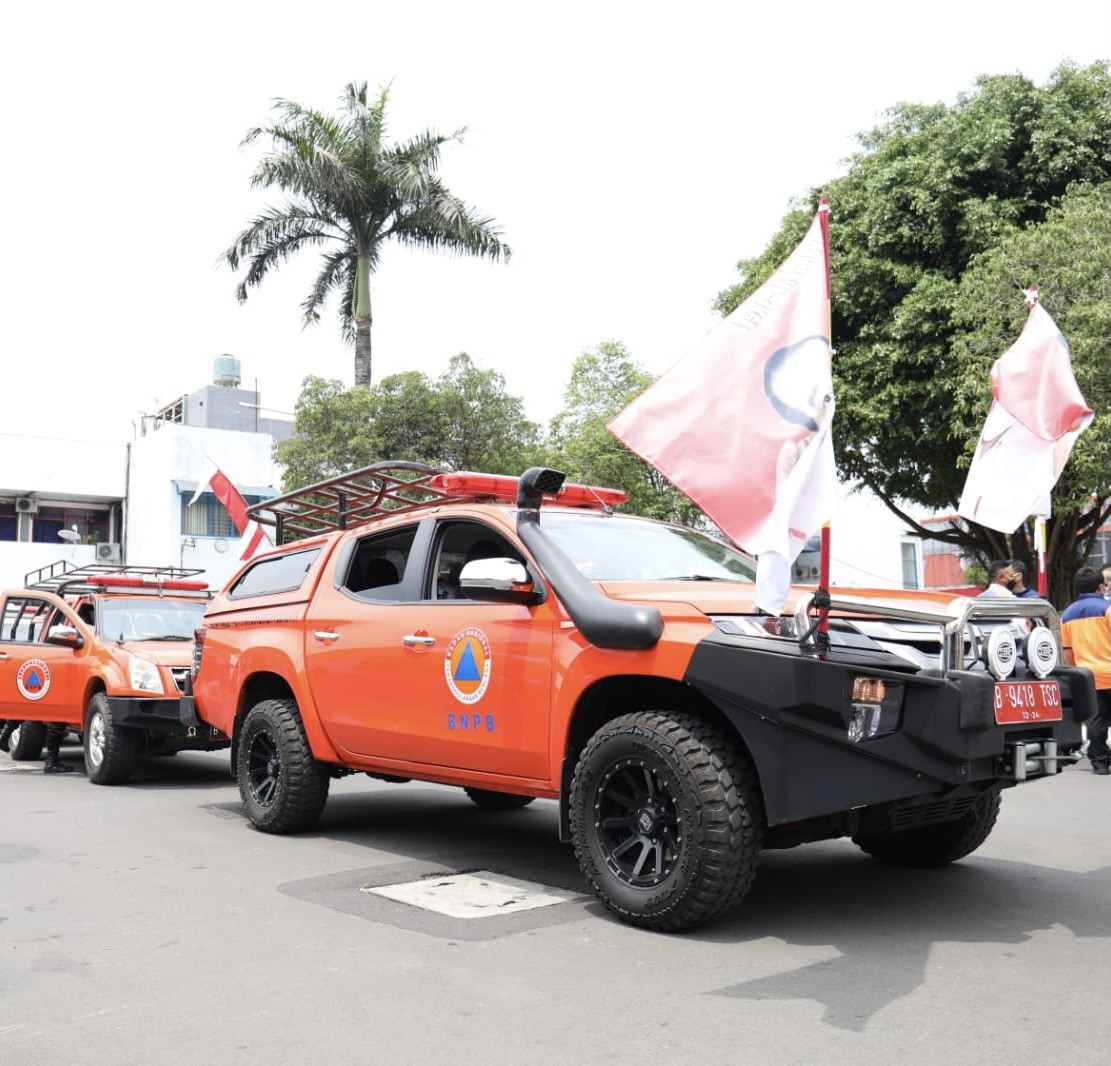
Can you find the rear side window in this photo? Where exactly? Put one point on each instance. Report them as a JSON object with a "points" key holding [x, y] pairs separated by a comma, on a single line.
{"points": [[24, 619], [279, 573]]}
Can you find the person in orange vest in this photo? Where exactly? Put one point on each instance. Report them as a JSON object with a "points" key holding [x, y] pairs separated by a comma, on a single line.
{"points": [[1086, 632]]}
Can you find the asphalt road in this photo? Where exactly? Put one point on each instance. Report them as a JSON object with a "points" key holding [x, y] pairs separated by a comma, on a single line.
{"points": [[151, 924]]}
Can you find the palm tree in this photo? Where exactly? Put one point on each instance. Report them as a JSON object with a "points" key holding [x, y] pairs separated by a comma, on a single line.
{"points": [[349, 192]]}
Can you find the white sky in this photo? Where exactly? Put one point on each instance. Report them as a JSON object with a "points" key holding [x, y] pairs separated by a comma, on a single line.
{"points": [[632, 154]]}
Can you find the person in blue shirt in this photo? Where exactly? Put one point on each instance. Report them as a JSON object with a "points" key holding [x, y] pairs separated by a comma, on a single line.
{"points": [[1018, 580]]}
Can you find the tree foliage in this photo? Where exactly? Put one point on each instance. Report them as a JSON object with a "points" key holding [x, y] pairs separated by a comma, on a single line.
{"points": [[349, 193], [603, 380], [463, 420], [933, 190]]}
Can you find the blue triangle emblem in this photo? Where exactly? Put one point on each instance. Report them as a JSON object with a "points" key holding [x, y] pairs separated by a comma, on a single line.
{"points": [[468, 670]]}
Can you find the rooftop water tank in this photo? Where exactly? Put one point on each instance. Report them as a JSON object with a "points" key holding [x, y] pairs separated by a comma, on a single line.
{"points": [[226, 371]]}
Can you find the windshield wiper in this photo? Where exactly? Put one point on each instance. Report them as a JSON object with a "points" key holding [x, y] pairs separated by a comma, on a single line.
{"points": [[694, 577]]}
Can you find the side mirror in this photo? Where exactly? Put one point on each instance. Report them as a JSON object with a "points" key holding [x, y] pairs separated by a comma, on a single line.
{"points": [[501, 580], [65, 636]]}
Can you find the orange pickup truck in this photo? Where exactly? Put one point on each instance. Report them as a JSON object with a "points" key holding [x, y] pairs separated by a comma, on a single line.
{"points": [[106, 650], [520, 639]]}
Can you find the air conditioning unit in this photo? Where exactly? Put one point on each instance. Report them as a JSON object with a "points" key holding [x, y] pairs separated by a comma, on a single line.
{"points": [[107, 552], [26, 505]]}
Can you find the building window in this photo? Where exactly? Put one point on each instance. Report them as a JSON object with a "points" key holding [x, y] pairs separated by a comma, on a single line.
{"points": [[910, 565], [90, 525], [9, 522], [207, 517]]}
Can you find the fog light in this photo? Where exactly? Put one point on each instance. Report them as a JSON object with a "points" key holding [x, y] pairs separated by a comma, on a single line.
{"points": [[864, 722], [1041, 651], [868, 690], [1001, 653]]}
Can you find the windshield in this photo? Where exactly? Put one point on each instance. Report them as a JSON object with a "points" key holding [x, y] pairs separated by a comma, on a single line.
{"points": [[626, 548], [148, 619]]}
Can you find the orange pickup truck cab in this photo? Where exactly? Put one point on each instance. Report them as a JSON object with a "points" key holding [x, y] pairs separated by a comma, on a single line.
{"points": [[106, 650], [519, 639]]}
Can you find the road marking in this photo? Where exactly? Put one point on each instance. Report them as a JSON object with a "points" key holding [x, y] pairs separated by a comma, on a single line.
{"points": [[477, 895]]}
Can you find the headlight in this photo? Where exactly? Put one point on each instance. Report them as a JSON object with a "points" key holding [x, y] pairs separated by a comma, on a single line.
{"points": [[748, 625], [1001, 654], [1041, 651], [144, 675]]}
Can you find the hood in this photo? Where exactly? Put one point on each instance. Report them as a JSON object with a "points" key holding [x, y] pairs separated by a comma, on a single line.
{"points": [[735, 597], [163, 652]]}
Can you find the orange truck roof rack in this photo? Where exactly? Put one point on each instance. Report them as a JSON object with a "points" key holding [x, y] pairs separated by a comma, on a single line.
{"points": [[64, 579], [394, 486]]}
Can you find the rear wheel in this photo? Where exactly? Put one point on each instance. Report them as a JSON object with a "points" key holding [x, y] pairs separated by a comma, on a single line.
{"points": [[110, 749], [27, 740], [666, 819], [497, 801], [283, 787], [935, 845]]}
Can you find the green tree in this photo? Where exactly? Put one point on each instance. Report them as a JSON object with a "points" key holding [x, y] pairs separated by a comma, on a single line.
{"points": [[603, 380], [482, 427], [464, 420], [933, 188], [349, 193]]}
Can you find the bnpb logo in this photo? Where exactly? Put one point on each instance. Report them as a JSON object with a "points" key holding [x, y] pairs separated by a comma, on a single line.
{"points": [[467, 665], [33, 679]]}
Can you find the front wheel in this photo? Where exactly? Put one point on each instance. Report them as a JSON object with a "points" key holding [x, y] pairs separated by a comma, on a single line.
{"points": [[27, 741], [110, 749], [497, 801], [935, 845], [283, 787], [666, 819]]}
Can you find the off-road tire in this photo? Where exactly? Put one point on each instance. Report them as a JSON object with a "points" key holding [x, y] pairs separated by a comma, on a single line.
{"points": [[111, 750], [666, 819], [283, 787], [27, 741], [935, 845], [497, 801]]}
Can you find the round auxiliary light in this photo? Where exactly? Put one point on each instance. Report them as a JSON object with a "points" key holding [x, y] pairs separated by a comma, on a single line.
{"points": [[1001, 654], [1041, 651]]}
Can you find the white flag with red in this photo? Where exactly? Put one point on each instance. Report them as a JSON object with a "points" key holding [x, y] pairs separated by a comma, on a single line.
{"points": [[741, 424], [251, 533], [1036, 415]]}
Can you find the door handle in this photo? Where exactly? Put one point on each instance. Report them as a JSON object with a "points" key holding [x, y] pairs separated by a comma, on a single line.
{"points": [[325, 635], [413, 640]]}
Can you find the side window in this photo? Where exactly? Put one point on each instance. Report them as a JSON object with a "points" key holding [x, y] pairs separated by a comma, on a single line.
{"points": [[378, 565], [276, 573], [459, 543], [24, 619]]}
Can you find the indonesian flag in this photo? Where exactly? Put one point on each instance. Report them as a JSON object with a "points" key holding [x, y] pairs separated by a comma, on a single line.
{"points": [[236, 507], [741, 424], [1035, 417]]}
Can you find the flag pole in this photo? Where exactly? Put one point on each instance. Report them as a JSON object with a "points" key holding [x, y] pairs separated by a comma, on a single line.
{"points": [[1031, 295], [823, 556], [1039, 547]]}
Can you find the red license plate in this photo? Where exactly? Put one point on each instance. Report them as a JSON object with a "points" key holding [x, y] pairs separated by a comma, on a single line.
{"points": [[1027, 701]]}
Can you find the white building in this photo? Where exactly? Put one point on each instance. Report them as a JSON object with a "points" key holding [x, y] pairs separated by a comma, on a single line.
{"points": [[131, 502]]}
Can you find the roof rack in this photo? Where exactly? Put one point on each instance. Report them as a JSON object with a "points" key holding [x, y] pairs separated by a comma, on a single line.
{"points": [[394, 486], [349, 499], [64, 579]]}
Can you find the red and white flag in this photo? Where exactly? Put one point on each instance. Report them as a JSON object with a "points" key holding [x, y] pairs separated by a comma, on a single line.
{"points": [[741, 424], [1035, 417], [250, 532]]}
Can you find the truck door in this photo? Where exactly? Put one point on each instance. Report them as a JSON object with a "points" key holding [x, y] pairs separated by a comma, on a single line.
{"points": [[39, 682], [417, 674]]}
